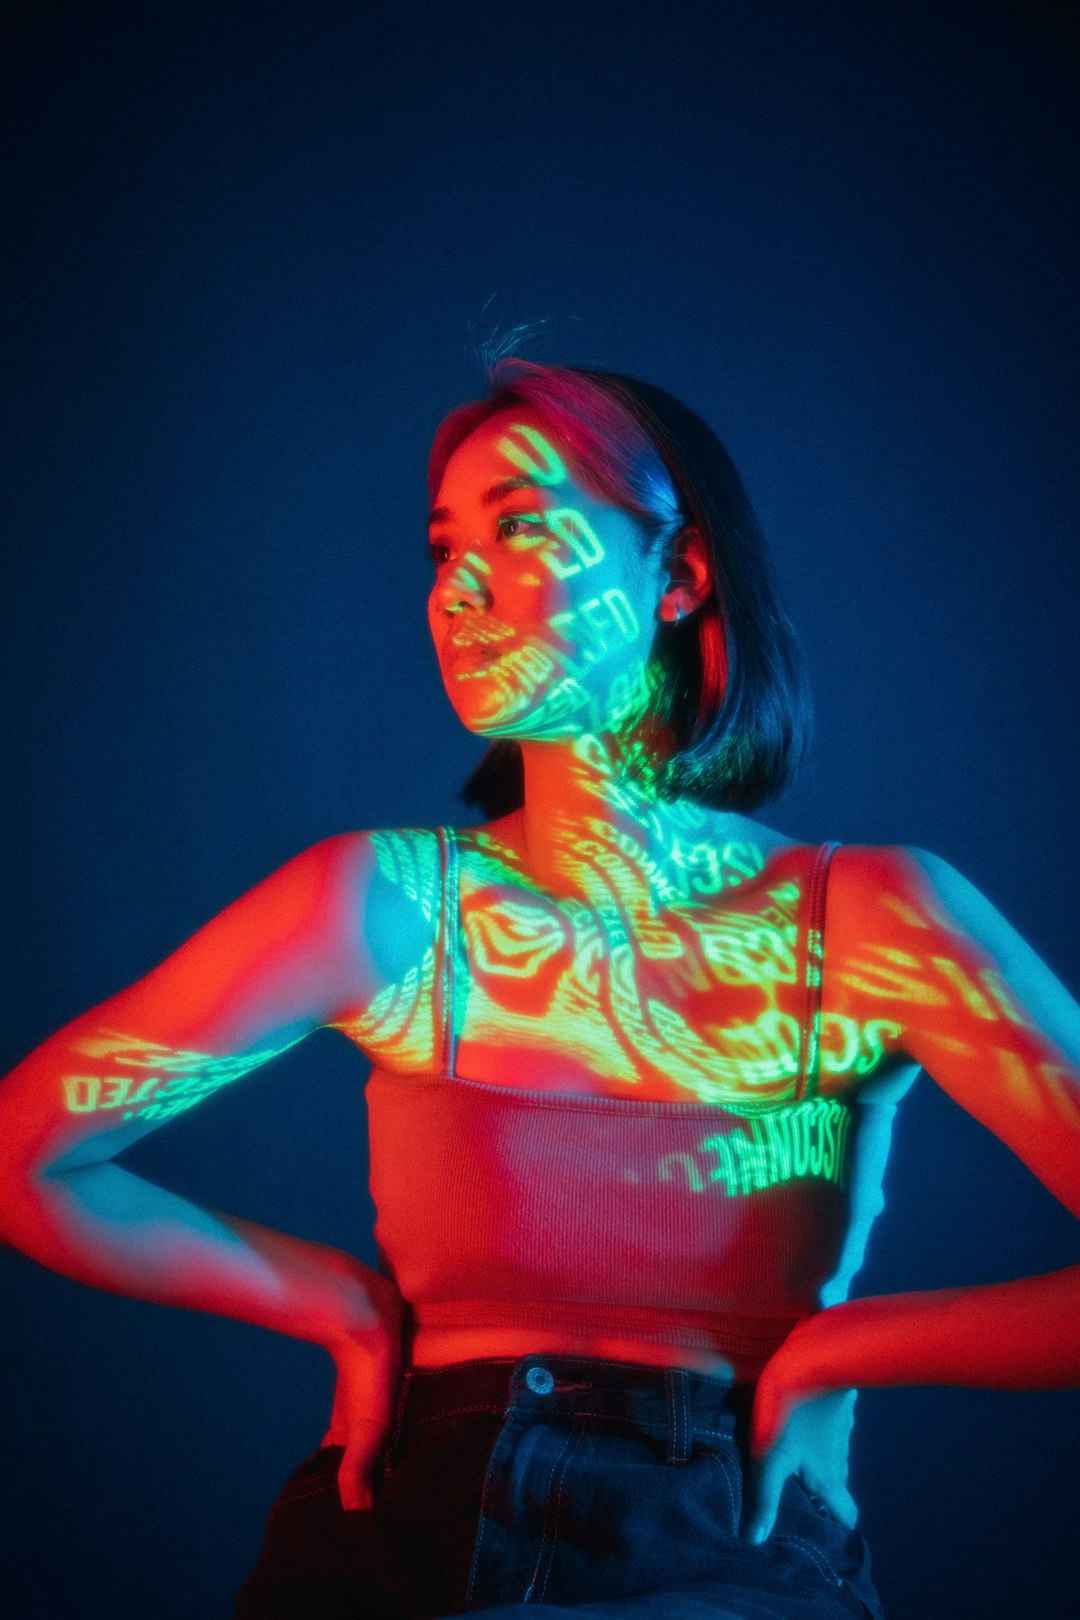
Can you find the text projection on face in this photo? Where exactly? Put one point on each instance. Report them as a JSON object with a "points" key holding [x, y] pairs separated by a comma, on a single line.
{"points": [[560, 647]]}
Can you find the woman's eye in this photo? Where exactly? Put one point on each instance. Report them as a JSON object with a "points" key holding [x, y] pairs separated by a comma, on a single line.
{"points": [[524, 520], [438, 553]]}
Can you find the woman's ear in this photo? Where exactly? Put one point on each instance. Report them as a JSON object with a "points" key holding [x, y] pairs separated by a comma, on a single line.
{"points": [[687, 577]]}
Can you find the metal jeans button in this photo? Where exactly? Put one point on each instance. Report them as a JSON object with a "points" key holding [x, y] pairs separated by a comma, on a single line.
{"points": [[539, 1380]]}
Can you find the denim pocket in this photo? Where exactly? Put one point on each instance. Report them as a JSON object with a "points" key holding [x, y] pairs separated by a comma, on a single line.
{"points": [[807, 1525], [315, 1476]]}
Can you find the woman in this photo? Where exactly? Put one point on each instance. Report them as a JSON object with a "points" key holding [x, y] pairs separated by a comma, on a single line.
{"points": [[636, 1058]]}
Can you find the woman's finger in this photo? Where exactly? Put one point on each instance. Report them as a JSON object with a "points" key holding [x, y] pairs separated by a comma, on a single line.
{"points": [[356, 1476], [837, 1498], [363, 1442], [767, 1478]]}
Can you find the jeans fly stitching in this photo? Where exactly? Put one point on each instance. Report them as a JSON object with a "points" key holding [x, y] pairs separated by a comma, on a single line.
{"points": [[726, 1472], [564, 1459]]}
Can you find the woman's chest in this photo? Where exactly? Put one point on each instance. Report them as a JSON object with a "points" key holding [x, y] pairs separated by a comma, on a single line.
{"points": [[696, 1002]]}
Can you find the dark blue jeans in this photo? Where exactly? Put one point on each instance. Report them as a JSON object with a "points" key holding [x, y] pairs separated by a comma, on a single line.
{"points": [[556, 1482]]}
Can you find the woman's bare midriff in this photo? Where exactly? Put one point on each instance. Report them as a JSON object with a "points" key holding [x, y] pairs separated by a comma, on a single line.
{"points": [[441, 1347]]}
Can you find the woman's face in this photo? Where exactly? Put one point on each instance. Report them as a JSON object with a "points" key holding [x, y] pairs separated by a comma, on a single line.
{"points": [[543, 609]]}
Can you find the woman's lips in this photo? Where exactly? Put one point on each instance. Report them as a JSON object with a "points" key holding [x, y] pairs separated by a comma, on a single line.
{"points": [[473, 654]]}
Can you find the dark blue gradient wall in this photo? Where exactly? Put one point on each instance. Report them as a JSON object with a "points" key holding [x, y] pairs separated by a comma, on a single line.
{"points": [[249, 253]]}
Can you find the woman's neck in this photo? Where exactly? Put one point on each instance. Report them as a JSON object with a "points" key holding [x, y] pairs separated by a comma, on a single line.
{"points": [[593, 827]]}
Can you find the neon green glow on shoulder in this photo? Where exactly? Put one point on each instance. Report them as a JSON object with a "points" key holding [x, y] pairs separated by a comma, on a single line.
{"points": [[155, 1081]]}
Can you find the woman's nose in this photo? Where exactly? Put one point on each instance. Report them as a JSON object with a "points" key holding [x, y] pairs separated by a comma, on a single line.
{"points": [[463, 587]]}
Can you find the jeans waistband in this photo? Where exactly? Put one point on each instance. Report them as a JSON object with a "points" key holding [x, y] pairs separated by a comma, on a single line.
{"points": [[683, 1405]]}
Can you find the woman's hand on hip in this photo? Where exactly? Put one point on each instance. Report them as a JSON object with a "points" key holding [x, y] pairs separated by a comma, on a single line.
{"points": [[797, 1428], [368, 1361]]}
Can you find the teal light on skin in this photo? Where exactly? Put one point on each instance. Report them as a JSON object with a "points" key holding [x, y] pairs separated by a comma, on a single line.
{"points": [[604, 960], [565, 613], [572, 528], [611, 946]]}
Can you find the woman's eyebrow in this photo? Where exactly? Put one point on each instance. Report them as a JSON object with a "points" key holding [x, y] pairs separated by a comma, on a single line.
{"points": [[443, 514]]}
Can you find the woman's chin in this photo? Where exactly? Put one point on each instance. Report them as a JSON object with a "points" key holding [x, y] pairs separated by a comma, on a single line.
{"points": [[504, 728]]}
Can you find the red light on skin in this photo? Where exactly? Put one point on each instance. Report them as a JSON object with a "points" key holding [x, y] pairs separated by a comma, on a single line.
{"points": [[559, 576], [472, 656]]}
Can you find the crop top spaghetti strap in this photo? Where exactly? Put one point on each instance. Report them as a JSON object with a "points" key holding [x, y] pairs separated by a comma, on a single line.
{"points": [[684, 1224]]}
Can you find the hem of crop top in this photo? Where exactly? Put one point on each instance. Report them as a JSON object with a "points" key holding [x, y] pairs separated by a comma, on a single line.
{"points": [[581, 1101], [741, 1335]]}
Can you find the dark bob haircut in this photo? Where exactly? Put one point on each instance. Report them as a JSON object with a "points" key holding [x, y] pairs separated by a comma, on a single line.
{"points": [[731, 688]]}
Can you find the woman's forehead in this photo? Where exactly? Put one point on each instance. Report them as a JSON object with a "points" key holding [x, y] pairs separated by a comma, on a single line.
{"points": [[516, 443]]}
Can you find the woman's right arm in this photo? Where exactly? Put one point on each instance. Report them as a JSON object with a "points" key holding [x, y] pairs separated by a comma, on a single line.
{"points": [[285, 958]]}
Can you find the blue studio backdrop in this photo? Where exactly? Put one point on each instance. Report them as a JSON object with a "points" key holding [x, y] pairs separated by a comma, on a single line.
{"points": [[251, 252]]}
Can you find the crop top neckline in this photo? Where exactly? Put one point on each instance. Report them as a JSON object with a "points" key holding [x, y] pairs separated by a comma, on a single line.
{"points": [[808, 956]]}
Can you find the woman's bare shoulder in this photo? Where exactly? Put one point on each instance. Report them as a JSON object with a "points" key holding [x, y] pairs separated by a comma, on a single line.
{"points": [[391, 878]]}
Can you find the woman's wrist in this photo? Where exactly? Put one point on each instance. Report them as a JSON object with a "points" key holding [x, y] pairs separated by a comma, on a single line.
{"points": [[794, 1373], [372, 1311]]}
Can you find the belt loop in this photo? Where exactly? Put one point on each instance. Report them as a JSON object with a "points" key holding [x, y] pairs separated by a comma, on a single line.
{"points": [[680, 1433]]}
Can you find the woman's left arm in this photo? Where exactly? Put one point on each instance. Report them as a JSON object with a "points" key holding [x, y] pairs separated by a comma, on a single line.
{"points": [[912, 942]]}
